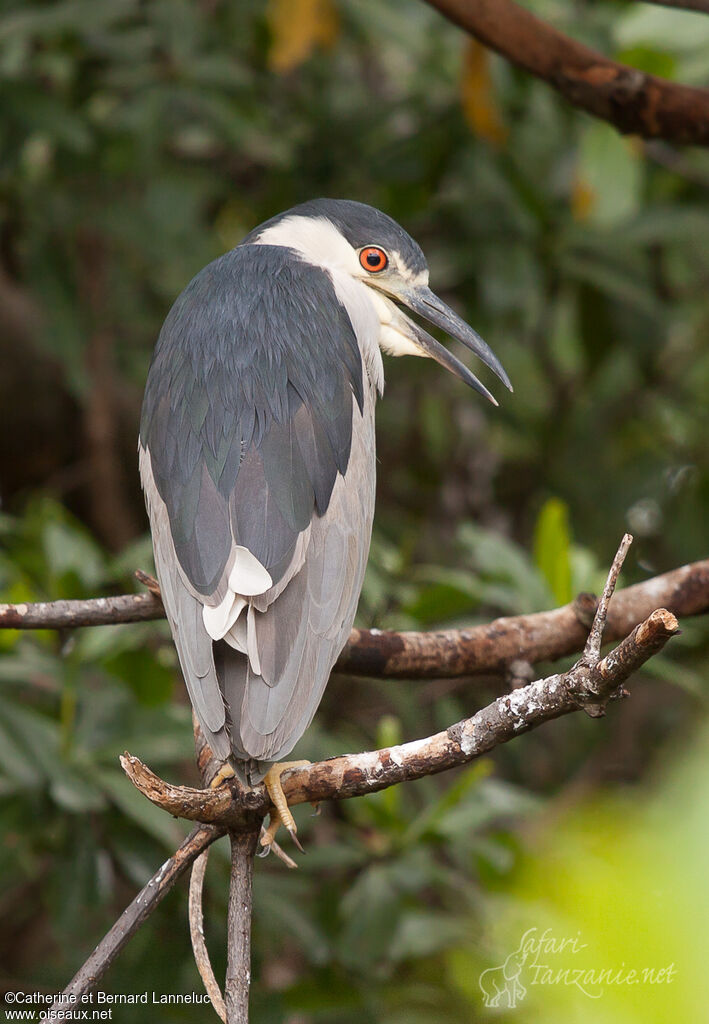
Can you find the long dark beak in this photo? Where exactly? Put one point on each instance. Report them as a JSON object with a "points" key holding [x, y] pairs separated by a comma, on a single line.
{"points": [[422, 301]]}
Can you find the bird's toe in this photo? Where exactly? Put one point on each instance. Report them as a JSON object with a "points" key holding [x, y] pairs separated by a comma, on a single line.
{"points": [[281, 814], [225, 772]]}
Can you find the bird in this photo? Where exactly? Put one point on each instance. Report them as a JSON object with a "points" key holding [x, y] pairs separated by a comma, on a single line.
{"points": [[257, 462]]}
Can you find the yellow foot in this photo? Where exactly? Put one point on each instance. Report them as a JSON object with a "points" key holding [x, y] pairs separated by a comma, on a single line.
{"points": [[225, 772], [281, 814]]}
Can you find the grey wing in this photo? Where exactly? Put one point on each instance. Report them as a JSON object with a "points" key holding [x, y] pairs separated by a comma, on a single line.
{"points": [[301, 632], [185, 616]]}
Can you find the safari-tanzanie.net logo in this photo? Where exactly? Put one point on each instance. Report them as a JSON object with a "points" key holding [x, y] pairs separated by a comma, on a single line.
{"points": [[543, 958]]}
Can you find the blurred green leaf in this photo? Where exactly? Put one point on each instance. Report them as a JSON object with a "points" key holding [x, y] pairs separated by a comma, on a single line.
{"points": [[139, 810], [425, 932], [609, 177], [552, 548]]}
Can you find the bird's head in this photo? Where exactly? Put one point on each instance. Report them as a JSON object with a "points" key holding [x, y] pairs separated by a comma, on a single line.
{"points": [[347, 237]]}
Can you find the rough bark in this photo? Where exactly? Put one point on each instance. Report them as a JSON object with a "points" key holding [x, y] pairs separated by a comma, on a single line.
{"points": [[584, 685], [478, 650], [238, 973], [634, 102]]}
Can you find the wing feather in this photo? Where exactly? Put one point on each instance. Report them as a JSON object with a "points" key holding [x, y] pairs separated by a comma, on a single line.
{"points": [[184, 612], [300, 635]]}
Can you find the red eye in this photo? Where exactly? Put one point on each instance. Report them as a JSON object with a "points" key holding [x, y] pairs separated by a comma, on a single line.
{"points": [[373, 259]]}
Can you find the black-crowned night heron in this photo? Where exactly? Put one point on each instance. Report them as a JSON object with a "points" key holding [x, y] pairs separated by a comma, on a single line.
{"points": [[257, 458]]}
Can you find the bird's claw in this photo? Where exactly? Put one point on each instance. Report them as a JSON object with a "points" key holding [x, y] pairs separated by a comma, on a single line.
{"points": [[225, 772], [297, 842], [281, 814], [281, 854]]}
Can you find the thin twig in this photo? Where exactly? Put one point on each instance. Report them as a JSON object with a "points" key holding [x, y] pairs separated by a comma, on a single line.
{"points": [[238, 974], [148, 581], [208, 767], [199, 946], [592, 650], [475, 651], [135, 914]]}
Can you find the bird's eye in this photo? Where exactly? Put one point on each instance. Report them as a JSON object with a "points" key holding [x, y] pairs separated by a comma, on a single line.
{"points": [[373, 259]]}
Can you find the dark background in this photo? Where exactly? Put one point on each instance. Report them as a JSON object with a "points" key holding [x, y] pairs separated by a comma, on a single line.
{"points": [[139, 140]]}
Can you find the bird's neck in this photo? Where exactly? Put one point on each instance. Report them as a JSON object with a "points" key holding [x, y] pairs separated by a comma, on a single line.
{"points": [[356, 297], [318, 242]]}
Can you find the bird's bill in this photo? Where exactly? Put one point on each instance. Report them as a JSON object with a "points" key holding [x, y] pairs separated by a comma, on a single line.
{"points": [[425, 303]]}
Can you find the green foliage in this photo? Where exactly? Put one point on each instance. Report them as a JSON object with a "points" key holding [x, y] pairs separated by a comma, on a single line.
{"points": [[138, 140], [612, 175], [552, 549]]}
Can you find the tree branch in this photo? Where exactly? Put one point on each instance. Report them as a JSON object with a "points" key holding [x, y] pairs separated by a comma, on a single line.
{"points": [[353, 775], [592, 649], [232, 1008], [134, 915], [94, 611], [478, 650], [634, 102], [238, 973]]}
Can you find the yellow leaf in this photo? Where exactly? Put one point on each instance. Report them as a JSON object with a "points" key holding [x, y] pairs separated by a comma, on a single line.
{"points": [[297, 28], [478, 95], [583, 199], [232, 222]]}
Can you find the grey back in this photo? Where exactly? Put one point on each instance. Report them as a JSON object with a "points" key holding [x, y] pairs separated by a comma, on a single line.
{"points": [[247, 409]]}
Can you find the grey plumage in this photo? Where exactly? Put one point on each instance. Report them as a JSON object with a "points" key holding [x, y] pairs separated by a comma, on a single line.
{"points": [[257, 460], [302, 632], [359, 224], [302, 625], [246, 410], [253, 397]]}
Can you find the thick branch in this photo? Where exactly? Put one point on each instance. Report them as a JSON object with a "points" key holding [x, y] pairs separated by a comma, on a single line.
{"points": [[479, 650], [543, 636], [356, 774], [634, 102]]}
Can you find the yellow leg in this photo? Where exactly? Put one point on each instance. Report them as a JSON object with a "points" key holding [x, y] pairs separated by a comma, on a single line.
{"points": [[269, 834], [281, 814], [225, 772]]}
